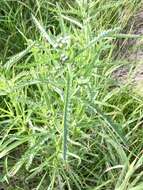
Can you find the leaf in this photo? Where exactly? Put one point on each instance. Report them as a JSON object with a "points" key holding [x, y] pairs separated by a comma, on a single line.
{"points": [[109, 123], [102, 35], [77, 23], [75, 156], [17, 57], [43, 31], [16, 167], [66, 115], [12, 146]]}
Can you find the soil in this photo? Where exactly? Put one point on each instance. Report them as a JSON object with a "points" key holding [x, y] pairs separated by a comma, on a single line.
{"points": [[133, 53]]}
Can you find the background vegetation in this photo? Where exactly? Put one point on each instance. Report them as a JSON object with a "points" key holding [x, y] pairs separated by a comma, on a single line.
{"points": [[65, 122]]}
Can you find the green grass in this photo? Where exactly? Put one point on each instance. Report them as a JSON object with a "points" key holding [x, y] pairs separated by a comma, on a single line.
{"points": [[65, 123]]}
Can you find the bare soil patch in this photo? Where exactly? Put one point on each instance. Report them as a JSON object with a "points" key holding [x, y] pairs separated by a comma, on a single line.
{"points": [[133, 53]]}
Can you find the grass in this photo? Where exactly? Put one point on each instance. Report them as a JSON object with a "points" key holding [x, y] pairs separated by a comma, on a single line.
{"points": [[65, 122]]}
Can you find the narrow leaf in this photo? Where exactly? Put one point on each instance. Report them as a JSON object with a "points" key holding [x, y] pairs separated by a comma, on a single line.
{"points": [[43, 31], [17, 57], [65, 122]]}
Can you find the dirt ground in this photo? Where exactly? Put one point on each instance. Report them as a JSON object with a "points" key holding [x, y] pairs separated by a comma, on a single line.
{"points": [[133, 54]]}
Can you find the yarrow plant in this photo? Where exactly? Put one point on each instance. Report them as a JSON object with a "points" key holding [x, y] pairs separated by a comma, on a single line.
{"points": [[63, 42], [65, 123]]}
